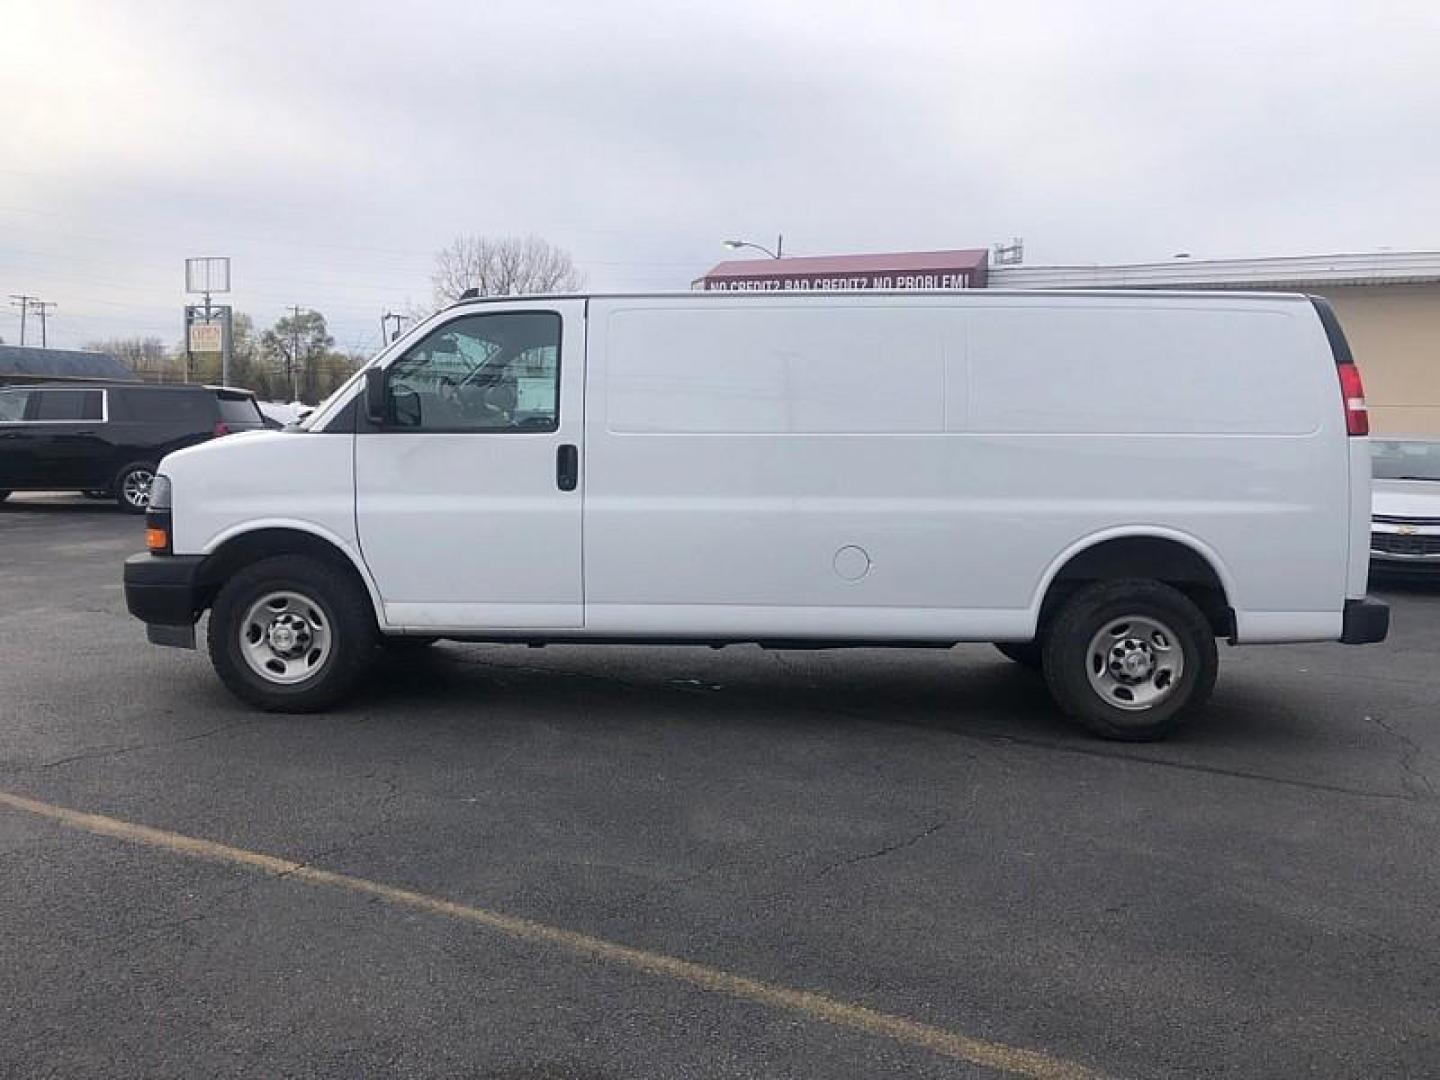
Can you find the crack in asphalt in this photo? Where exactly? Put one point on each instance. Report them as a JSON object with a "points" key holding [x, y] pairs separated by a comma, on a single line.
{"points": [[252, 883], [1408, 756], [989, 736], [119, 751], [1211, 770], [882, 851], [119, 946]]}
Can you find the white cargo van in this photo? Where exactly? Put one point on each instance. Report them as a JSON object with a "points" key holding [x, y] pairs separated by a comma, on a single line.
{"points": [[1100, 483]]}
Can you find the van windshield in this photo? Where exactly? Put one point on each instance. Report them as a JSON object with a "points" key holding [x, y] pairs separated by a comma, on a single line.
{"points": [[1406, 459]]}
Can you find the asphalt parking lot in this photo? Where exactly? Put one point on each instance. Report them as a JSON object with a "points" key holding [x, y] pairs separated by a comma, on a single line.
{"points": [[728, 864]]}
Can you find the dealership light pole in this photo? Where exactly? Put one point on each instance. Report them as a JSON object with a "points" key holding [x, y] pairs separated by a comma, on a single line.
{"points": [[736, 245]]}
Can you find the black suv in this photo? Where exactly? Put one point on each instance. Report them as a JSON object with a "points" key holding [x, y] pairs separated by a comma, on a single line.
{"points": [[108, 440]]}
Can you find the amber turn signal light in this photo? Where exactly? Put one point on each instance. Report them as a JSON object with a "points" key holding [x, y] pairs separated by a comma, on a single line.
{"points": [[157, 539]]}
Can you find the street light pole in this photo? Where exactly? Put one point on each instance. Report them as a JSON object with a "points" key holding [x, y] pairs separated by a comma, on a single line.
{"points": [[386, 336], [735, 245]]}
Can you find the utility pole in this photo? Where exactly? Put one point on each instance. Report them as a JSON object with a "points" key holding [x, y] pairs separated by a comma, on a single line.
{"points": [[295, 310], [40, 307], [23, 302]]}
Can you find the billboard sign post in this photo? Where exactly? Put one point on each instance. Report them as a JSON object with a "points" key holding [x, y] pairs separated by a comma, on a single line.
{"points": [[208, 328]]}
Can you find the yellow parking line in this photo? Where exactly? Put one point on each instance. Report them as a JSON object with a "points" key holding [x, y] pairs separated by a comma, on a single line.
{"points": [[992, 1055]]}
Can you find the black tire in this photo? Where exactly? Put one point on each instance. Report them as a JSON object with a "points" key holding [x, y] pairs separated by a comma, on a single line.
{"points": [[344, 610], [130, 482], [397, 644], [1028, 654], [1109, 604]]}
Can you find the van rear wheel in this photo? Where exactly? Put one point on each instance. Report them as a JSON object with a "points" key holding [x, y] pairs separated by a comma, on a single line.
{"points": [[1130, 659], [291, 634]]}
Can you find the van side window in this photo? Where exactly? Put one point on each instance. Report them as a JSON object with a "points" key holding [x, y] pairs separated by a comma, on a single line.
{"points": [[492, 373], [69, 405], [12, 404]]}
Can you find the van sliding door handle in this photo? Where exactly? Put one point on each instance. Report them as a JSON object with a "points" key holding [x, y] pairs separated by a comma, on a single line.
{"points": [[567, 466]]}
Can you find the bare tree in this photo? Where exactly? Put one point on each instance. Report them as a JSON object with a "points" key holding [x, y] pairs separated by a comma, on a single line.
{"points": [[147, 356], [503, 266]]}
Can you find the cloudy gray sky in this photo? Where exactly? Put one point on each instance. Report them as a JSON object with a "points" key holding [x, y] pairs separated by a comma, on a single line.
{"points": [[331, 148]]}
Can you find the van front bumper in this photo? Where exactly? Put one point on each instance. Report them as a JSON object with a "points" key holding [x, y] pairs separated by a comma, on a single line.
{"points": [[163, 592], [1366, 622]]}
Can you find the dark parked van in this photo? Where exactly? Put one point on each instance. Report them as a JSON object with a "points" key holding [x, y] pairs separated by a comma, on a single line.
{"points": [[107, 440]]}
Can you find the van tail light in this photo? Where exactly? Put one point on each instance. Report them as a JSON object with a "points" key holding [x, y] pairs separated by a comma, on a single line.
{"points": [[1352, 390], [221, 428]]}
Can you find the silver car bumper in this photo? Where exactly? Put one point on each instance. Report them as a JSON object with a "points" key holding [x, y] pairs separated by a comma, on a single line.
{"points": [[1405, 543]]}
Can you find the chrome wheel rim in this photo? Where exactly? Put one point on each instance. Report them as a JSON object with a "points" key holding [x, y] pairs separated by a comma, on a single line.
{"points": [[1135, 662], [285, 637], [136, 487]]}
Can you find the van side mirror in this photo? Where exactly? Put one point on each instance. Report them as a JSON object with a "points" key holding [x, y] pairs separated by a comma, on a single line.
{"points": [[375, 409]]}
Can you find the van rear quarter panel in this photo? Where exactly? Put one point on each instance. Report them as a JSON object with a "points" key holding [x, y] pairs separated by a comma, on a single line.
{"points": [[738, 449]]}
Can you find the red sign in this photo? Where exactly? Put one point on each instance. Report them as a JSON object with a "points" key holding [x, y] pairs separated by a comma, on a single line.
{"points": [[964, 269]]}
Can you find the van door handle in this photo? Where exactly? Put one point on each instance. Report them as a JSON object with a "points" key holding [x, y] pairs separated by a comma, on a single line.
{"points": [[567, 466]]}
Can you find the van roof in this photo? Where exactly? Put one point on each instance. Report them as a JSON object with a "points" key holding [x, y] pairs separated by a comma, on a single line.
{"points": [[970, 295]]}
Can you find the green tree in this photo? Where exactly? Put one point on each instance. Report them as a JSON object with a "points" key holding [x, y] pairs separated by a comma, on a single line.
{"points": [[296, 349], [248, 366]]}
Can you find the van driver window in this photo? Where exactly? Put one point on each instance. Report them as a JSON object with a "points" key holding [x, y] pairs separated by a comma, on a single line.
{"points": [[491, 373]]}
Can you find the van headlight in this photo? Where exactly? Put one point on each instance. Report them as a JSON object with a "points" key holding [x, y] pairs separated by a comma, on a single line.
{"points": [[159, 493]]}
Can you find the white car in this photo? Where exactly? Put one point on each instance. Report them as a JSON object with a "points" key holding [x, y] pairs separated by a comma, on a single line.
{"points": [[279, 414], [1102, 483], [1405, 531]]}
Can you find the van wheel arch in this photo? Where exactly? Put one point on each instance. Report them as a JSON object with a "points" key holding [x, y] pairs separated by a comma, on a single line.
{"points": [[248, 548], [1153, 558]]}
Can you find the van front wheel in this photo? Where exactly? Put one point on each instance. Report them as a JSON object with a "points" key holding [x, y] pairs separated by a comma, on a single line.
{"points": [[291, 634], [1130, 659]]}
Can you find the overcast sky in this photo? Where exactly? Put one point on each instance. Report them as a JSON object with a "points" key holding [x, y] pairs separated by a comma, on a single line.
{"points": [[331, 148]]}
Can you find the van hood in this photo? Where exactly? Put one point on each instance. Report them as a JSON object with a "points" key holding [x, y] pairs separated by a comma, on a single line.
{"points": [[1406, 498], [248, 437]]}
